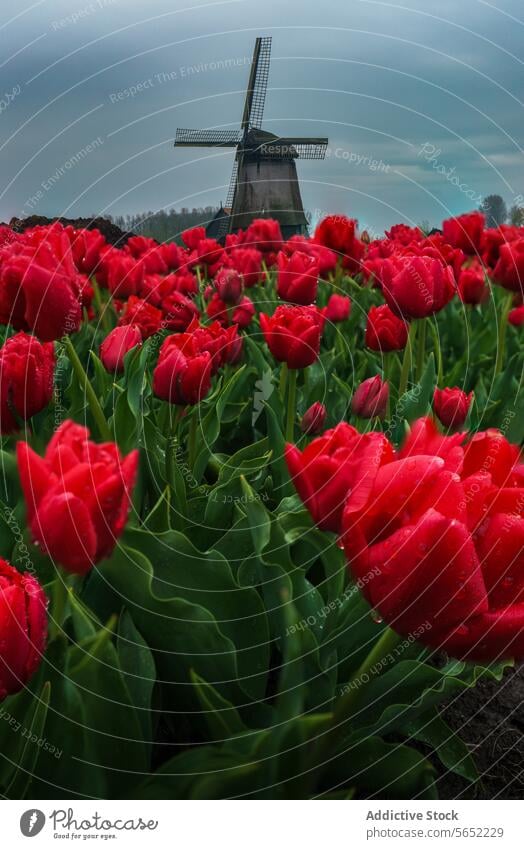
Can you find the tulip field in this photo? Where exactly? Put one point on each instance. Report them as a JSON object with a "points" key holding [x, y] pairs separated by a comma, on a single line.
{"points": [[261, 508]]}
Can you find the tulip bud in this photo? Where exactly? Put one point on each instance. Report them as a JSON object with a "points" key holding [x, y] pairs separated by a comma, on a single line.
{"points": [[472, 286], [26, 379], [516, 316], [116, 345], [229, 286], [385, 331], [371, 398], [313, 419], [451, 406], [23, 627], [338, 308], [181, 378]]}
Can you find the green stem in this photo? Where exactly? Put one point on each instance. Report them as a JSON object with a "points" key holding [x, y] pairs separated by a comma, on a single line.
{"points": [[501, 332], [101, 308], [346, 705], [438, 351], [90, 394], [291, 404], [171, 445], [407, 360], [191, 442], [59, 608], [387, 368], [283, 381], [421, 349]]}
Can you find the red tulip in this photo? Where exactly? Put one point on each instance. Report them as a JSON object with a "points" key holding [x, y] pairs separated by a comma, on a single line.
{"points": [[77, 496], [38, 292], [179, 378], [241, 315], [147, 318], [417, 286], [516, 316], [451, 406], [327, 260], [338, 308], [337, 233], [313, 419], [385, 331], [26, 379], [509, 270], [229, 286], [465, 231], [472, 287], [293, 334], [86, 246], [371, 398], [297, 279], [404, 235], [264, 234], [331, 466], [192, 238], [248, 263], [124, 275], [178, 311], [444, 548], [23, 628], [117, 344]]}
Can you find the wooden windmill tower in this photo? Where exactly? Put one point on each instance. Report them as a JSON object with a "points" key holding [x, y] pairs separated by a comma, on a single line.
{"points": [[264, 182]]}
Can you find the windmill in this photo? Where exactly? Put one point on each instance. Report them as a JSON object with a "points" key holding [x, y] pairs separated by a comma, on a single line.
{"points": [[264, 182]]}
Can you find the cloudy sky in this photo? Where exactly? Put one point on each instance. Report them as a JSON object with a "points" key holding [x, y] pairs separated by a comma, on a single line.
{"points": [[421, 102]]}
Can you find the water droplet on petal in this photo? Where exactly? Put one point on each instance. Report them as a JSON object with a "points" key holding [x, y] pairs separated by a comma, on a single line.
{"points": [[376, 617]]}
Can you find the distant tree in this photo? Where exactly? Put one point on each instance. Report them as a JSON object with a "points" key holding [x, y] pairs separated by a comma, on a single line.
{"points": [[424, 225], [516, 216], [165, 225], [495, 210]]}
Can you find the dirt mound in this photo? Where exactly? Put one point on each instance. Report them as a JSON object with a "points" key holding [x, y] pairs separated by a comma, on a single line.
{"points": [[112, 234]]}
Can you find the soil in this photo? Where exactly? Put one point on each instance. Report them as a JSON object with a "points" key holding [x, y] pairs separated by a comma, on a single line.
{"points": [[112, 234], [490, 720]]}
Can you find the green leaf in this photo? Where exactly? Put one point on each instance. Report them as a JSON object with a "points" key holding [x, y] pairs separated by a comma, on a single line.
{"points": [[20, 783], [138, 670], [221, 717]]}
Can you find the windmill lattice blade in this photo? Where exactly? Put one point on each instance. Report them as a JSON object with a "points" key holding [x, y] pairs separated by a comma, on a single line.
{"points": [[257, 84], [307, 148], [224, 223], [258, 99], [207, 138]]}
